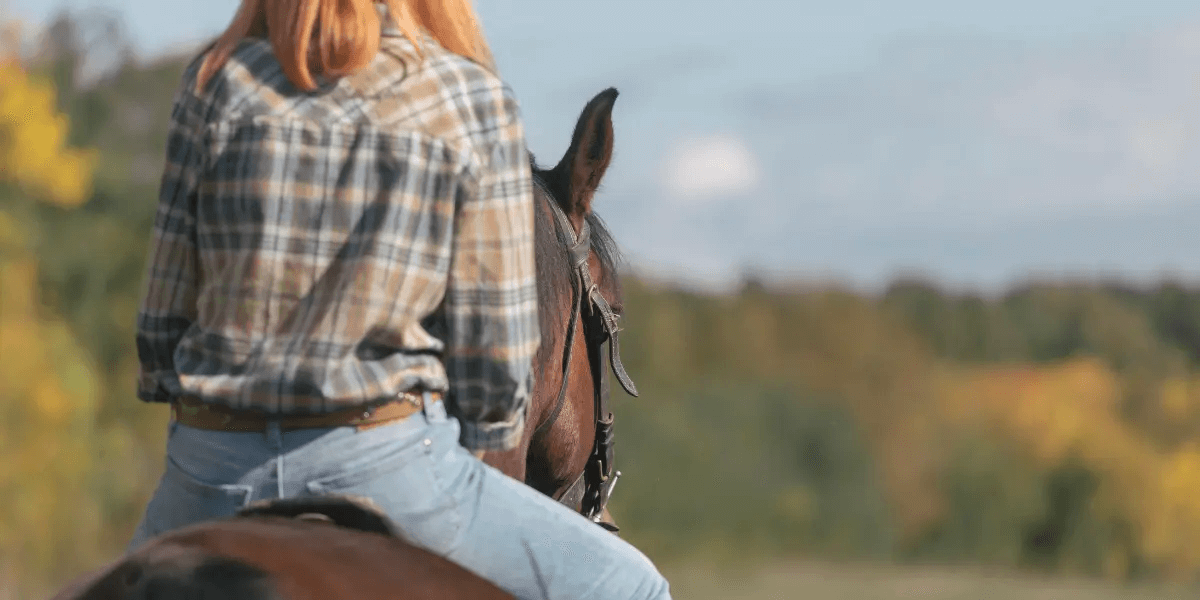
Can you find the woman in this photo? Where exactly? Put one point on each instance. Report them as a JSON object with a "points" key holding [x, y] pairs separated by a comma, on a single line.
{"points": [[345, 235]]}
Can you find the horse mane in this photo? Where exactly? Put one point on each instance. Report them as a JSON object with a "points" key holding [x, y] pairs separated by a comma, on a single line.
{"points": [[551, 248]]}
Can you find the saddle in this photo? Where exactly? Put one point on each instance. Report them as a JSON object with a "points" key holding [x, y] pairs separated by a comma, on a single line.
{"points": [[352, 512]]}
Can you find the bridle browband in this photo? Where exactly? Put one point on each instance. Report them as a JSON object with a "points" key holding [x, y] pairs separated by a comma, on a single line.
{"points": [[592, 489]]}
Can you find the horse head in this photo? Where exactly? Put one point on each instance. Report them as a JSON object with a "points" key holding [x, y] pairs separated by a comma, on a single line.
{"points": [[567, 451]]}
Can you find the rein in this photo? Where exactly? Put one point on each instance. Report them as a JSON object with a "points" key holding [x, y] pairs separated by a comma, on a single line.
{"points": [[592, 489]]}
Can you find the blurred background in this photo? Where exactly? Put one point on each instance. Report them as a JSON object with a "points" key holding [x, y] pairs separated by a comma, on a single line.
{"points": [[912, 287]]}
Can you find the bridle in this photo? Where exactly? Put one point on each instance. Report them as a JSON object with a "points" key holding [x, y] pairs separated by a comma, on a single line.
{"points": [[591, 490]]}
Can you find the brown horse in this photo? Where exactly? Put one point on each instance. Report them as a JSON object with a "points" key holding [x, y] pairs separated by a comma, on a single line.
{"points": [[302, 548]]}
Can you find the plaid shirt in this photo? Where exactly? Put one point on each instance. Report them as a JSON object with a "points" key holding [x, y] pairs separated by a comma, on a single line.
{"points": [[316, 251]]}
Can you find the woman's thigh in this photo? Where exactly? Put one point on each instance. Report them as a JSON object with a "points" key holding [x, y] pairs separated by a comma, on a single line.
{"points": [[453, 504], [535, 547]]}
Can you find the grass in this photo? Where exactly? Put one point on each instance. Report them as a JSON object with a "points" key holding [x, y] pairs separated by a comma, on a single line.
{"points": [[810, 580], [819, 581]]}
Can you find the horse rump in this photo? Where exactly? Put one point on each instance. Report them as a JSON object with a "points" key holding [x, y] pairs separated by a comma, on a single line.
{"points": [[352, 512]]}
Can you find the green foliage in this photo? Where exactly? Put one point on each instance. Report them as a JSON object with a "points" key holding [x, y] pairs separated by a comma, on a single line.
{"points": [[1050, 322], [730, 467]]}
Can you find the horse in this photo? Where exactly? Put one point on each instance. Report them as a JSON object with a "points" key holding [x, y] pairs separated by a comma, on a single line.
{"points": [[332, 547]]}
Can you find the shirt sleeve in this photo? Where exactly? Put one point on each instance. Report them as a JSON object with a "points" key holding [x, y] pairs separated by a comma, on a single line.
{"points": [[491, 297], [168, 306]]}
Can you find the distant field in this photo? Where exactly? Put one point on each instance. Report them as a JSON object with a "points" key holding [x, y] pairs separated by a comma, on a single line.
{"points": [[814, 581]]}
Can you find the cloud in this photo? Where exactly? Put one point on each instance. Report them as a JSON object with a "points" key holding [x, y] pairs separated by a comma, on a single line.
{"points": [[702, 169]]}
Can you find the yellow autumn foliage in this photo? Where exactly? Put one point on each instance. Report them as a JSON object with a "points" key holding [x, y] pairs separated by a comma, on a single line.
{"points": [[33, 153], [47, 399], [48, 384], [1070, 412]]}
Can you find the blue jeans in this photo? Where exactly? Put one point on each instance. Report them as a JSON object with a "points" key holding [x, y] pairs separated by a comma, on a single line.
{"points": [[443, 499]]}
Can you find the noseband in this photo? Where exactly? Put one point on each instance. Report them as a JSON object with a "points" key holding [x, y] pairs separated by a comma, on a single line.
{"points": [[591, 490]]}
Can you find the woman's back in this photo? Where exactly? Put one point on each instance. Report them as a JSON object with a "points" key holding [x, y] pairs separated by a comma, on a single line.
{"points": [[325, 226]]}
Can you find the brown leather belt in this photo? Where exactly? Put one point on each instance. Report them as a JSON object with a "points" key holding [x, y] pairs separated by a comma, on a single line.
{"points": [[193, 412]]}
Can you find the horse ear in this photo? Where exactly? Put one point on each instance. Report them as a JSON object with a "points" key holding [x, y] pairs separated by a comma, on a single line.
{"points": [[587, 158]]}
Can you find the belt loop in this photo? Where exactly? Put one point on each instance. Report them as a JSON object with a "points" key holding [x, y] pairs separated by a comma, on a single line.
{"points": [[433, 405], [274, 434]]}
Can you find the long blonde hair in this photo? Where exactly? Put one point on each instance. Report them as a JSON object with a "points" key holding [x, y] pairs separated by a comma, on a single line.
{"points": [[333, 38]]}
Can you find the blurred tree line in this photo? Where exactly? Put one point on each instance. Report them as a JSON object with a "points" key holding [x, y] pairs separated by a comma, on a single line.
{"points": [[1056, 427]]}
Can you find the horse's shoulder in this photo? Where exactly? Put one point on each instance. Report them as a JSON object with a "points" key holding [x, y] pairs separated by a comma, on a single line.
{"points": [[351, 512]]}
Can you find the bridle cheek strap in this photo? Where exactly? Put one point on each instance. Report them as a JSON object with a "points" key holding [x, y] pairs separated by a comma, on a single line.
{"points": [[591, 490], [611, 323]]}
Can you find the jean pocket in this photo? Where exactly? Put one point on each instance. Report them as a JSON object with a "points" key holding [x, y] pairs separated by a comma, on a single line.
{"points": [[182, 499], [402, 477]]}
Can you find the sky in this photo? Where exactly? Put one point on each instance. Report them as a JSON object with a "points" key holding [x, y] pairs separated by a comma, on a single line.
{"points": [[977, 143]]}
